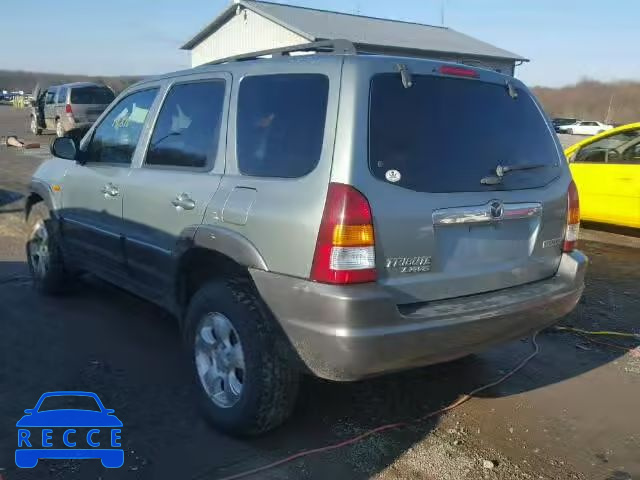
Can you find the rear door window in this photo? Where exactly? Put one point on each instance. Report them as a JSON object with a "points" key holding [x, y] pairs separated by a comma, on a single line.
{"points": [[91, 96], [446, 134], [281, 121], [631, 155], [188, 126], [62, 95]]}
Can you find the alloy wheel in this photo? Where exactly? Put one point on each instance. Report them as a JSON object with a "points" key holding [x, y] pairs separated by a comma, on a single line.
{"points": [[39, 255], [219, 359]]}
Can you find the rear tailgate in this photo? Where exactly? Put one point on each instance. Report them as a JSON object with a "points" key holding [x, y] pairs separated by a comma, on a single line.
{"points": [[440, 231]]}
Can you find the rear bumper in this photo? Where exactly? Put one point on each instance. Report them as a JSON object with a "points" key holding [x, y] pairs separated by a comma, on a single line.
{"points": [[352, 332]]}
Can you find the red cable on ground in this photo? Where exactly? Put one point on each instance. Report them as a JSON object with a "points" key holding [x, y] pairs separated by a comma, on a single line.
{"points": [[368, 433]]}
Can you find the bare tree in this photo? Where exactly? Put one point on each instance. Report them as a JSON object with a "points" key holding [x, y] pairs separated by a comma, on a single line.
{"points": [[617, 102]]}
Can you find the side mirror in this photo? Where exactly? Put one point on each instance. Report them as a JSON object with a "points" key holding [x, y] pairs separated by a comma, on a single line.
{"points": [[64, 148], [29, 411]]}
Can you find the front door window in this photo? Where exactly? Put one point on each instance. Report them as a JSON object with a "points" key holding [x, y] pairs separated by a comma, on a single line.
{"points": [[115, 139]]}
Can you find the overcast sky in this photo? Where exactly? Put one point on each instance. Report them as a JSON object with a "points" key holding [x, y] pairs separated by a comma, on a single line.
{"points": [[566, 40]]}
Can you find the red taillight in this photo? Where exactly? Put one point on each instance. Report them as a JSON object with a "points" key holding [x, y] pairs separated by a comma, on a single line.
{"points": [[68, 109], [573, 219], [345, 251], [458, 71]]}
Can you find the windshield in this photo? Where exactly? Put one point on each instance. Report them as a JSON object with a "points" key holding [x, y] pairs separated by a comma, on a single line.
{"points": [[446, 134], [69, 402], [91, 96]]}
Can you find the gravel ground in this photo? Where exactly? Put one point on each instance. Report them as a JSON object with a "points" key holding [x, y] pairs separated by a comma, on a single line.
{"points": [[571, 413]]}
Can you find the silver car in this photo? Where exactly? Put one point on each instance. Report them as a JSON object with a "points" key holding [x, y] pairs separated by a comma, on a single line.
{"points": [[63, 108], [335, 214]]}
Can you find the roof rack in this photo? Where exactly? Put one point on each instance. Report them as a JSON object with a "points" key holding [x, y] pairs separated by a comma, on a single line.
{"points": [[338, 46]]}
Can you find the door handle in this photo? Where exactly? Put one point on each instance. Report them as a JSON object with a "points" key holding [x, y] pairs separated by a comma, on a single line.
{"points": [[109, 190], [183, 202]]}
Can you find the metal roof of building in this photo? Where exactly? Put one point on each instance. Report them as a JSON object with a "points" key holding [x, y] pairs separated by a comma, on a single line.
{"points": [[316, 25]]}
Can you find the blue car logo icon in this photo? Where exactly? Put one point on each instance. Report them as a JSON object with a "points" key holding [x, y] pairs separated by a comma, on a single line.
{"points": [[79, 433]]}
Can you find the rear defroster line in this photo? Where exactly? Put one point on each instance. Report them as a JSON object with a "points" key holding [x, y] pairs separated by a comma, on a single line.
{"points": [[389, 426]]}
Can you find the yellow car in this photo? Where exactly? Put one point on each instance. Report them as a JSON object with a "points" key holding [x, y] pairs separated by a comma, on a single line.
{"points": [[606, 169]]}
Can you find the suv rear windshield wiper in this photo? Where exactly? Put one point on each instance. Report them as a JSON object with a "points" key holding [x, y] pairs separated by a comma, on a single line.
{"points": [[501, 170]]}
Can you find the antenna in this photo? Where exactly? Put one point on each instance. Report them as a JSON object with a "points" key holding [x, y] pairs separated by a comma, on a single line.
{"points": [[442, 8], [607, 119]]}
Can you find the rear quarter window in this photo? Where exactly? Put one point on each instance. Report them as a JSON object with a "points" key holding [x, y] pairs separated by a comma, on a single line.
{"points": [[280, 126], [91, 96], [445, 134]]}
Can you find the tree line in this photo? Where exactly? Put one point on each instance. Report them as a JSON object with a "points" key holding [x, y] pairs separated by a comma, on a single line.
{"points": [[615, 102], [26, 81]]}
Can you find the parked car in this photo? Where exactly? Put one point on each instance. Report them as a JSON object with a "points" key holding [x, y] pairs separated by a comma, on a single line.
{"points": [[606, 169], [66, 107], [560, 122], [317, 215], [584, 127]]}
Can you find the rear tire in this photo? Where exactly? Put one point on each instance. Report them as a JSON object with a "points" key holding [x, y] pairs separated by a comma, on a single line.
{"points": [[44, 256], [233, 342]]}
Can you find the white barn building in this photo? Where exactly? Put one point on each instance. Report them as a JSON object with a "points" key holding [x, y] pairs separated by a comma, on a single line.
{"points": [[249, 26]]}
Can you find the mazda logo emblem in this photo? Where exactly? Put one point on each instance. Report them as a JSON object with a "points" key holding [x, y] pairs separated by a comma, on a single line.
{"points": [[497, 210]]}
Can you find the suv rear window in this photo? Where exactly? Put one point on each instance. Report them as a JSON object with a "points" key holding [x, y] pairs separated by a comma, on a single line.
{"points": [[91, 96], [446, 134], [281, 124]]}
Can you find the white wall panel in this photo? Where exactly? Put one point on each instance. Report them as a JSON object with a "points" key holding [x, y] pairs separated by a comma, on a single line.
{"points": [[245, 32]]}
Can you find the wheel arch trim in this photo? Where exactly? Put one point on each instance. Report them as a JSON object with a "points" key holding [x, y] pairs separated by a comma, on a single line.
{"points": [[221, 240], [39, 189]]}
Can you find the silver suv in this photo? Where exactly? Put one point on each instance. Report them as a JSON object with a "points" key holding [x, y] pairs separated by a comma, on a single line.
{"points": [[334, 214], [63, 108]]}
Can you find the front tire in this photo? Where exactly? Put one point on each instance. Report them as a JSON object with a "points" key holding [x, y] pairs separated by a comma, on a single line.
{"points": [[43, 252], [570, 131], [245, 385]]}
